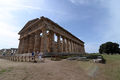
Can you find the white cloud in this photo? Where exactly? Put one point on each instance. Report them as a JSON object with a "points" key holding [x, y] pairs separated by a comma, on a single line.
{"points": [[8, 31], [109, 26], [20, 4], [86, 2], [8, 36], [91, 47], [112, 32]]}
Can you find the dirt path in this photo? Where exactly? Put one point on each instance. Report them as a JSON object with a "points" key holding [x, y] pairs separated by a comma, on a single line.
{"points": [[50, 70]]}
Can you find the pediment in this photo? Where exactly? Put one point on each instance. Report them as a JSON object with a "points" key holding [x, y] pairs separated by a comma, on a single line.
{"points": [[29, 23]]}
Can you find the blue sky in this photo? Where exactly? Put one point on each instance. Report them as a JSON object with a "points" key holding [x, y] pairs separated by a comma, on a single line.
{"points": [[93, 21]]}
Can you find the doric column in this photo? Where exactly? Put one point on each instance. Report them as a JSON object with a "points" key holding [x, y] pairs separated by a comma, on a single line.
{"points": [[82, 49], [63, 45], [37, 42], [26, 45], [19, 49], [40, 41], [67, 50], [51, 41], [58, 43], [70, 47], [44, 40], [22, 47], [74, 46], [77, 48], [31, 43]]}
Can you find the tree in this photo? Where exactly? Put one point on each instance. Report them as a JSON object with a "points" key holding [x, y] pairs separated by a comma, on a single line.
{"points": [[109, 47], [119, 50]]}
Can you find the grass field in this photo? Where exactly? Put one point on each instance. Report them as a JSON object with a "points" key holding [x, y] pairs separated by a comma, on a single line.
{"points": [[111, 69], [61, 70]]}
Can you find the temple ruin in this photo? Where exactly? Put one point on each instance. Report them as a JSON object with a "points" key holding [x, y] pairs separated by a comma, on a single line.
{"points": [[44, 35]]}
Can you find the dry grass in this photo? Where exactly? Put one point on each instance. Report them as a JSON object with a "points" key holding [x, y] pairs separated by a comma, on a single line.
{"points": [[111, 70], [61, 70], [50, 70]]}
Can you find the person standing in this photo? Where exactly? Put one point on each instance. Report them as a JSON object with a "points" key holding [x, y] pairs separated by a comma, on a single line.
{"points": [[40, 56], [32, 55]]}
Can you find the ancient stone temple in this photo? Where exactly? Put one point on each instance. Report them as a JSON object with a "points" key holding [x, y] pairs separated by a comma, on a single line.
{"points": [[44, 35]]}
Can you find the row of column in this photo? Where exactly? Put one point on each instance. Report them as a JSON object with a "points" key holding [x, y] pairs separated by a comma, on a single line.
{"points": [[46, 43], [66, 45]]}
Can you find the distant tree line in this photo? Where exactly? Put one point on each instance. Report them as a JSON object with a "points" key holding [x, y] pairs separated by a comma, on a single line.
{"points": [[109, 48]]}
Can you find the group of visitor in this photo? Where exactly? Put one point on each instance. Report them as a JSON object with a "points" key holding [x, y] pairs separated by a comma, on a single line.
{"points": [[39, 55]]}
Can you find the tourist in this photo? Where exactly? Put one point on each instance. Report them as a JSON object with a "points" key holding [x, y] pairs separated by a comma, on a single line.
{"points": [[11, 54], [37, 53], [32, 55], [40, 56]]}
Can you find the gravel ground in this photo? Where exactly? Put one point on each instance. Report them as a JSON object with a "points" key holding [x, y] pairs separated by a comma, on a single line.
{"points": [[50, 70]]}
